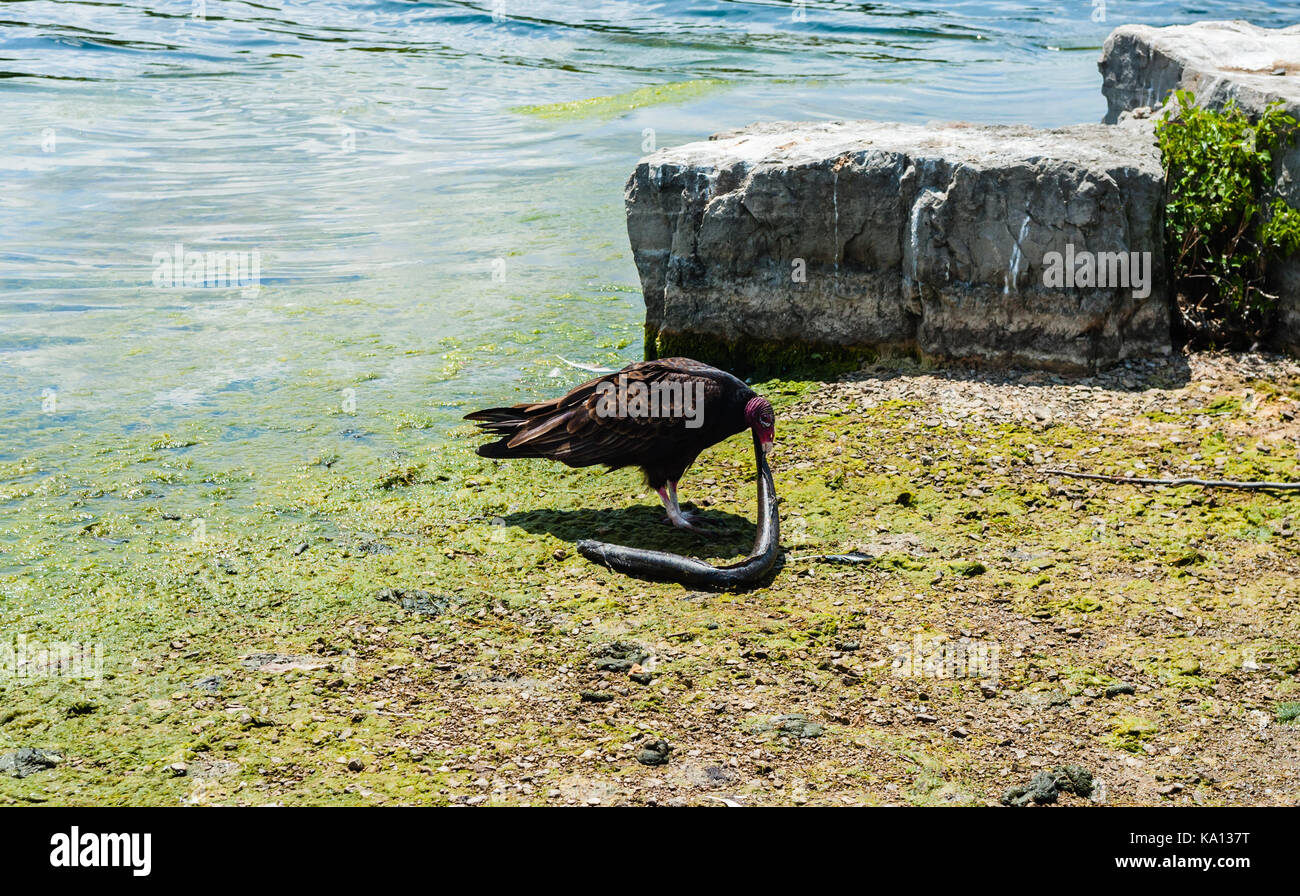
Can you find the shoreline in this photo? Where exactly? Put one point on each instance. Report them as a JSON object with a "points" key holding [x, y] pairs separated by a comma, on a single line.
{"points": [[434, 648]]}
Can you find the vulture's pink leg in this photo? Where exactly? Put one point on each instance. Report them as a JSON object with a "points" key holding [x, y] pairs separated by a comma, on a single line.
{"points": [[677, 516], [681, 520]]}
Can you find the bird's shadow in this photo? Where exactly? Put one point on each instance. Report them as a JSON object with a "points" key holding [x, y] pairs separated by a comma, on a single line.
{"points": [[642, 526]]}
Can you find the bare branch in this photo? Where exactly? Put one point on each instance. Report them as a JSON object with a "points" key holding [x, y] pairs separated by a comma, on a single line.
{"points": [[1200, 483]]}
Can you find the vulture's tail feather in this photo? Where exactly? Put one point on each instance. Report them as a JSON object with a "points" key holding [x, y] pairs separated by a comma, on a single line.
{"points": [[497, 416], [504, 422], [499, 421]]}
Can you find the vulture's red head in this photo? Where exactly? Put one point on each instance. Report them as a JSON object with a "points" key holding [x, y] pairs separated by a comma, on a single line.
{"points": [[760, 418]]}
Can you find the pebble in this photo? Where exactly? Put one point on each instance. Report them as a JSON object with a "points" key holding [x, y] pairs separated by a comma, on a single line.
{"points": [[211, 684], [1045, 786], [1029, 397], [654, 753], [797, 725], [415, 600]]}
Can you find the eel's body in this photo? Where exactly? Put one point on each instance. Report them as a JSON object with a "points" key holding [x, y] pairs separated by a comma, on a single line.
{"points": [[665, 567]]}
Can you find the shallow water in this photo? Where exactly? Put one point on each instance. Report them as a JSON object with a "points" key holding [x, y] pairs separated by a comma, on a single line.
{"points": [[425, 242]]}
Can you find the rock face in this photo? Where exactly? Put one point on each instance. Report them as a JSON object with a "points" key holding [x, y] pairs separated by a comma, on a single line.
{"points": [[1219, 62], [945, 240]]}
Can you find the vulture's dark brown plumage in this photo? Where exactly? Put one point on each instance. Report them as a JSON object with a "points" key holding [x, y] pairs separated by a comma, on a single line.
{"points": [[574, 429]]}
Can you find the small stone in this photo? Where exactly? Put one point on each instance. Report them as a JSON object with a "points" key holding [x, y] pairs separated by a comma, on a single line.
{"points": [[415, 600], [211, 684], [211, 768], [969, 569], [1188, 666], [619, 656], [1074, 779], [356, 765], [654, 753], [1115, 690], [1045, 786], [282, 662], [797, 725]]}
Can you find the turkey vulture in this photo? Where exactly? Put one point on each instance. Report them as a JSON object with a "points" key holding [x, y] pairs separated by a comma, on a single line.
{"points": [[656, 415]]}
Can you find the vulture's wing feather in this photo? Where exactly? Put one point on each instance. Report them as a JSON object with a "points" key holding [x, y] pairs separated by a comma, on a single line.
{"points": [[572, 429]]}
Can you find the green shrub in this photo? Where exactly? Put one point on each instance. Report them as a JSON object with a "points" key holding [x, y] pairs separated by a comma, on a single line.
{"points": [[1223, 223]]}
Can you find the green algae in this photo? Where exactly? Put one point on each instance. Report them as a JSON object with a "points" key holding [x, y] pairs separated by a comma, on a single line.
{"points": [[173, 603], [1129, 733], [614, 105]]}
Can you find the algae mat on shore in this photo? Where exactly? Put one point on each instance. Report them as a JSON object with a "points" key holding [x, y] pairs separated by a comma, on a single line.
{"points": [[949, 621]]}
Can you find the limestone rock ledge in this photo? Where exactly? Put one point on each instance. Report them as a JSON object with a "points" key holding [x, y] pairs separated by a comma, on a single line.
{"points": [[872, 235], [1219, 62]]}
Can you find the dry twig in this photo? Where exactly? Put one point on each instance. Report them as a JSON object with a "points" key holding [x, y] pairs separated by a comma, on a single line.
{"points": [[1201, 483]]}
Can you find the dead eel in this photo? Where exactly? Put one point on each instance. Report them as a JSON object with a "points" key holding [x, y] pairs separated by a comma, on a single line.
{"points": [[662, 566]]}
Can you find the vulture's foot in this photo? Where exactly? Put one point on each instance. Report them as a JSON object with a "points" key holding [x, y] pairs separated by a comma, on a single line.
{"points": [[689, 522], [681, 519]]}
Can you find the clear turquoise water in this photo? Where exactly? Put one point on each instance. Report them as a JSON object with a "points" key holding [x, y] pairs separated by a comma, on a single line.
{"points": [[369, 152]]}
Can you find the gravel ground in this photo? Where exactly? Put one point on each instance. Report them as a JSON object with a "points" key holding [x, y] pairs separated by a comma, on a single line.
{"points": [[950, 623], [1149, 638]]}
